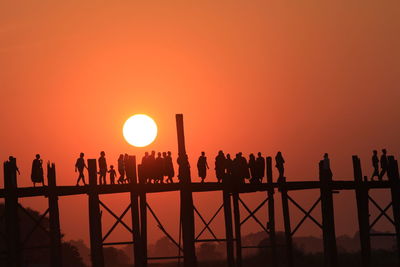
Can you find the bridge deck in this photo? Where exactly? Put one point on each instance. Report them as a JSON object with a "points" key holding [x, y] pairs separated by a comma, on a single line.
{"points": [[194, 187]]}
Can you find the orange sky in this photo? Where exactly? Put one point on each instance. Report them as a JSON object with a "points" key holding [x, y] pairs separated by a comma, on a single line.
{"points": [[304, 78]]}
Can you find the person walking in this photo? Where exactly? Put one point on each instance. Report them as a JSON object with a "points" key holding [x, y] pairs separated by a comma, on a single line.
{"points": [[202, 166], [80, 166]]}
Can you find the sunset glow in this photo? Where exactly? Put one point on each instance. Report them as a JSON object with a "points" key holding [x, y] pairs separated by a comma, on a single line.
{"points": [[140, 130]]}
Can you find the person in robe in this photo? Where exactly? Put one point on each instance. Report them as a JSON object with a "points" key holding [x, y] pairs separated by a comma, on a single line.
{"points": [[202, 166], [260, 167], [37, 171]]}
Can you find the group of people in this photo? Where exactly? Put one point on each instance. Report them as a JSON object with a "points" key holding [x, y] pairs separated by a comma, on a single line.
{"points": [[383, 164], [239, 168], [154, 169]]}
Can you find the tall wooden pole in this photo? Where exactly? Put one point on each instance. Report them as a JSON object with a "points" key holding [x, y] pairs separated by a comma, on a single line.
{"points": [[11, 214], [96, 246], [187, 213], [286, 221], [393, 174], [328, 222], [137, 238], [271, 212], [54, 218], [363, 212], [238, 234], [228, 226]]}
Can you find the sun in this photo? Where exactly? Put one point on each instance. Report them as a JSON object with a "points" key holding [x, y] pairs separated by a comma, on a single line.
{"points": [[140, 130]]}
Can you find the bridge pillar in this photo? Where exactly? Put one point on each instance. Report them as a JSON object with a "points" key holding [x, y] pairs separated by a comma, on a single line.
{"points": [[138, 249], [228, 227], [363, 212], [286, 221], [11, 214], [238, 234], [271, 212], [328, 222], [393, 174], [54, 218], [187, 210], [96, 246]]}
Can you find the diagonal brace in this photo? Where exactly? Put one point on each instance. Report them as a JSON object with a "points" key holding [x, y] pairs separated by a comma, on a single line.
{"points": [[209, 222], [34, 219], [37, 224], [252, 214], [254, 217], [116, 217], [307, 215], [205, 223], [159, 224], [382, 212], [117, 222]]}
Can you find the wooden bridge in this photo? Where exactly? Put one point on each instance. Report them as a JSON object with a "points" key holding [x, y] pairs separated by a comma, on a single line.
{"points": [[233, 219]]}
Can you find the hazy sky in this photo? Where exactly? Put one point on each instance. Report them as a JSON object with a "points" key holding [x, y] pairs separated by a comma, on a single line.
{"points": [[302, 77]]}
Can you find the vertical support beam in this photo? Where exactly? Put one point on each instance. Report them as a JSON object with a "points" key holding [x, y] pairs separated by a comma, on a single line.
{"points": [[286, 221], [271, 212], [361, 188], [11, 213], [187, 213], [228, 227], [96, 246], [54, 218], [393, 174], [328, 221], [143, 223], [136, 236], [238, 235]]}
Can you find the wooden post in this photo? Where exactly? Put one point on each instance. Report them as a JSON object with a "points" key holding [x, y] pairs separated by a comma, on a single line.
{"points": [[271, 212], [143, 214], [11, 214], [96, 246], [328, 222], [187, 213], [54, 218], [238, 234], [286, 221], [361, 188], [393, 174], [137, 238], [228, 227]]}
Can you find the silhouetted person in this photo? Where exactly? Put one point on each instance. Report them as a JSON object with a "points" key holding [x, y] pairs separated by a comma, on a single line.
{"points": [[228, 164], [237, 173], [184, 168], [244, 170], [326, 166], [375, 164], [220, 166], [126, 163], [102, 168], [151, 171], [169, 167], [202, 166], [159, 169], [384, 164], [252, 168], [145, 167], [113, 174], [260, 167], [37, 171], [80, 166], [279, 164], [121, 169]]}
